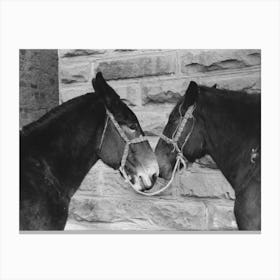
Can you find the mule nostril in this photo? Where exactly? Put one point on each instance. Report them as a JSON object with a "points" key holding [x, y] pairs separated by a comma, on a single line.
{"points": [[154, 178]]}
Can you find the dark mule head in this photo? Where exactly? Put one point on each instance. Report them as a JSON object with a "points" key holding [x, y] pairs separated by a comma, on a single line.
{"points": [[141, 165], [194, 146]]}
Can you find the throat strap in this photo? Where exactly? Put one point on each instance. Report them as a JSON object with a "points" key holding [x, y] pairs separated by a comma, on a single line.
{"points": [[103, 133]]}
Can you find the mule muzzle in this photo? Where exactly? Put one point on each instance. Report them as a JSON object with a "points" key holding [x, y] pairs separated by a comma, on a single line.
{"points": [[146, 177]]}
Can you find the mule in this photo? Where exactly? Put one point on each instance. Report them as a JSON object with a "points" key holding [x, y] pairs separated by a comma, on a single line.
{"points": [[58, 150], [226, 125]]}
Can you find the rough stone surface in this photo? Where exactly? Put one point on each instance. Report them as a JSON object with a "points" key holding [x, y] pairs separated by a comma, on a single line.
{"points": [[74, 91], [163, 91], [249, 82], [152, 81], [139, 213], [79, 52], [38, 83], [28, 115], [104, 201], [131, 92], [75, 74], [220, 215], [196, 182], [202, 182], [202, 61], [154, 65], [153, 118], [88, 54]]}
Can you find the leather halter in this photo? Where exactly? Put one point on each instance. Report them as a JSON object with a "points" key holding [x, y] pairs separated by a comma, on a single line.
{"points": [[141, 138]]}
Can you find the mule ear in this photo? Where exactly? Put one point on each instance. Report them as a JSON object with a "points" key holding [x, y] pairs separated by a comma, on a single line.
{"points": [[190, 95], [106, 92], [214, 86]]}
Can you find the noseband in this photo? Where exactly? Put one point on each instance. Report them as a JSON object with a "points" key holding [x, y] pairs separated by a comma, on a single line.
{"points": [[173, 141]]}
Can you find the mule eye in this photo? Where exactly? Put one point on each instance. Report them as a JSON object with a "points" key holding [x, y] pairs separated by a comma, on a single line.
{"points": [[133, 126]]}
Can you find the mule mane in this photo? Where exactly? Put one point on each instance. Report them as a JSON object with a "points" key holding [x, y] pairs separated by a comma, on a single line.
{"points": [[231, 100], [237, 96], [240, 106], [56, 113]]}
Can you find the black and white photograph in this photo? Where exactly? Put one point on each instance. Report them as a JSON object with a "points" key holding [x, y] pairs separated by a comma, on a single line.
{"points": [[140, 139]]}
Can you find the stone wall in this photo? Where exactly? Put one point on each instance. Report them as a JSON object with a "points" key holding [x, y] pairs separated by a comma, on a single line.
{"points": [[153, 81], [38, 78]]}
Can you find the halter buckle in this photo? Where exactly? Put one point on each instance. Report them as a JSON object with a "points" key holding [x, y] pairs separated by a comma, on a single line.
{"points": [[254, 155]]}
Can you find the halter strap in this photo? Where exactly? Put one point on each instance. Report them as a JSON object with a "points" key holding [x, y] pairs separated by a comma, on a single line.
{"points": [[103, 133], [179, 158], [141, 138], [179, 130]]}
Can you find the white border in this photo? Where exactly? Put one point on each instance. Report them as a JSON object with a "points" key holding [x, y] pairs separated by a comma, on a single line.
{"points": [[200, 24]]}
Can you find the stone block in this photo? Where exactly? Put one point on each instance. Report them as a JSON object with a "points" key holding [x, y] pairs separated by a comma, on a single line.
{"points": [[199, 182], [126, 213], [137, 67], [103, 180], [67, 93], [129, 91], [104, 201], [220, 215], [194, 182], [207, 162], [204, 182], [162, 91], [249, 82], [77, 73], [153, 117], [30, 115], [205, 61], [38, 83], [73, 53], [92, 54], [41, 99], [32, 59]]}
